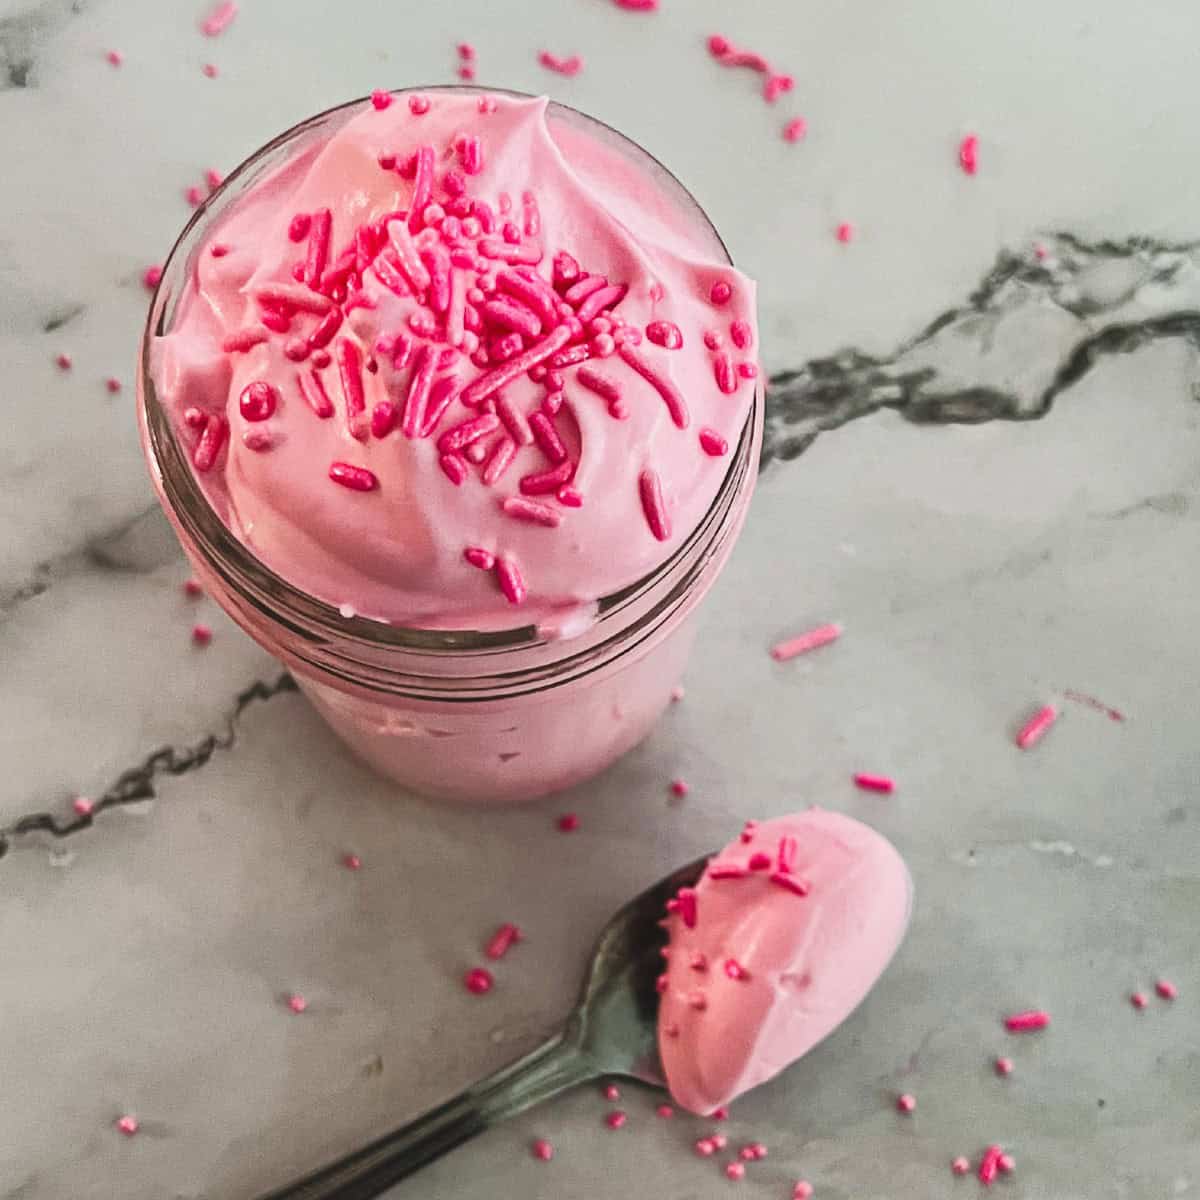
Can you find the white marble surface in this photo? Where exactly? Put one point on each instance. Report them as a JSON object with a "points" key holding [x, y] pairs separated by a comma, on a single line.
{"points": [[979, 570]]}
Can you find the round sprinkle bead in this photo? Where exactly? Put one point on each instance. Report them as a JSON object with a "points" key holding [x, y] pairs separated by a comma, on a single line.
{"points": [[612, 1092], [735, 1170], [297, 1003], [721, 292], [128, 1124], [616, 1120], [961, 1165], [1166, 989], [1006, 1163], [258, 400], [1004, 1066], [568, 823], [478, 981], [906, 1103], [705, 1148], [845, 233], [418, 105], [351, 862], [83, 806], [802, 1190], [1139, 1000], [201, 635], [542, 1150], [665, 1111]]}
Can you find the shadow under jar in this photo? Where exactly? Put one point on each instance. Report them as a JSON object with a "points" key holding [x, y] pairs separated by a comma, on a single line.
{"points": [[468, 714]]}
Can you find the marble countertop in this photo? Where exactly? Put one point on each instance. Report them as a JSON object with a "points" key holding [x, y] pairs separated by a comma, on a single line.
{"points": [[985, 463]]}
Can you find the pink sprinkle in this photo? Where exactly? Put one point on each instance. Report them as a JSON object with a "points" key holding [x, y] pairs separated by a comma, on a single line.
{"points": [[687, 907], [724, 374], [961, 1165], [759, 861], [115, 57], [208, 448], [795, 130], [653, 505], [787, 854], [213, 178], [776, 86], [1024, 1022], [487, 104], [521, 509], [542, 1150], [351, 862], [677, 694], [194, 196], [705, 1148], [712, 443], [720, 1114], [454, 467], [357, 479], [568, 823], [466, 51], [191, 587], [508, 575], [219, 19], [735, 970], [989, 1165], [802, 1190], [729, 871], [542, 483], [735, 1170], [297, 1003], [814, 639], [616, 1120], [383, 419], [258, 400], [210, 70], [1004, 1066], [875, 783], [419, 105], [151, 276], [314, 393], [1006, 1163], [1035, 728], [63, 361], [968, 154], [790, 883], [906, 1103], [665, 1111], [637, 5], [381, 100], [319, 234], [612, 1092], [665, 334], [83, 806], [845, 232], [568, 497], [721, 292], [502, 941], [485, 560], [128, 1124], [1166, 989], [679, 787], [562, 66], [1139, 1000], [113, 385], [479, 981]]}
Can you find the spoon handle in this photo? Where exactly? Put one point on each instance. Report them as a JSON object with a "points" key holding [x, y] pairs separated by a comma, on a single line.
{"points": [[366, 1173]]}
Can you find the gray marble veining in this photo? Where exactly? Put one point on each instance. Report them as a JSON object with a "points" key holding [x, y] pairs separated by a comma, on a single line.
{"points": [[984, 462]]}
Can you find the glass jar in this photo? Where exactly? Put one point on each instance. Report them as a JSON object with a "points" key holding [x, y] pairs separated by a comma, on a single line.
{"points": [[503, 715]]}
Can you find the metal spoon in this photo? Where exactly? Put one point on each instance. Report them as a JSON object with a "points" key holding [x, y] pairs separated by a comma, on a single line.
{"points": [[611, 1032]]}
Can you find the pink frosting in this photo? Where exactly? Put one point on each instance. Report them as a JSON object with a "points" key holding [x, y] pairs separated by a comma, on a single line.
{"points": [[389, 541], [759, 973]]}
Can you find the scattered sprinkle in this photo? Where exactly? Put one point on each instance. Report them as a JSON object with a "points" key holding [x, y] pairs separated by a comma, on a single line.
{"points": [[297, 1003], [616, 1119], [63, 361], [381, 100], [151, 276], [961, 1165], [720, 293], [219, 19], [115, 58], [351, 862], [1166, 989], [1035, 728], [795, 130], [191, 587], [201, 635], [611, 1092], [1139, 1000], [679, 787], [113, 384], [419, 105], [1004, 1066], [802, 1190], [677, 694], [705, 1148], [637, 5], [735, 1170], [507, 936], [1006, 1163], [210, 70], [720, 1114], [1113, 714], [213, 178], [1024, 1022], [906, 1103], [845, 233], [665, 1111], [989, 1165], [194, 195], [83, 805], [561, 66], [968, 154], [479, 981], [875, 783], [542, 1150], [568, 823], [128, 1124], [814, 639]]}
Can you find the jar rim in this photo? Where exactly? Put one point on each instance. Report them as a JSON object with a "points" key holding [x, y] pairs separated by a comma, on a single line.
{"points": [[240, 568]]}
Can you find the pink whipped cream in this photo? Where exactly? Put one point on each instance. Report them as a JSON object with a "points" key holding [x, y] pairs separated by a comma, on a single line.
{"points": [[461, 364], [782, 937]]}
